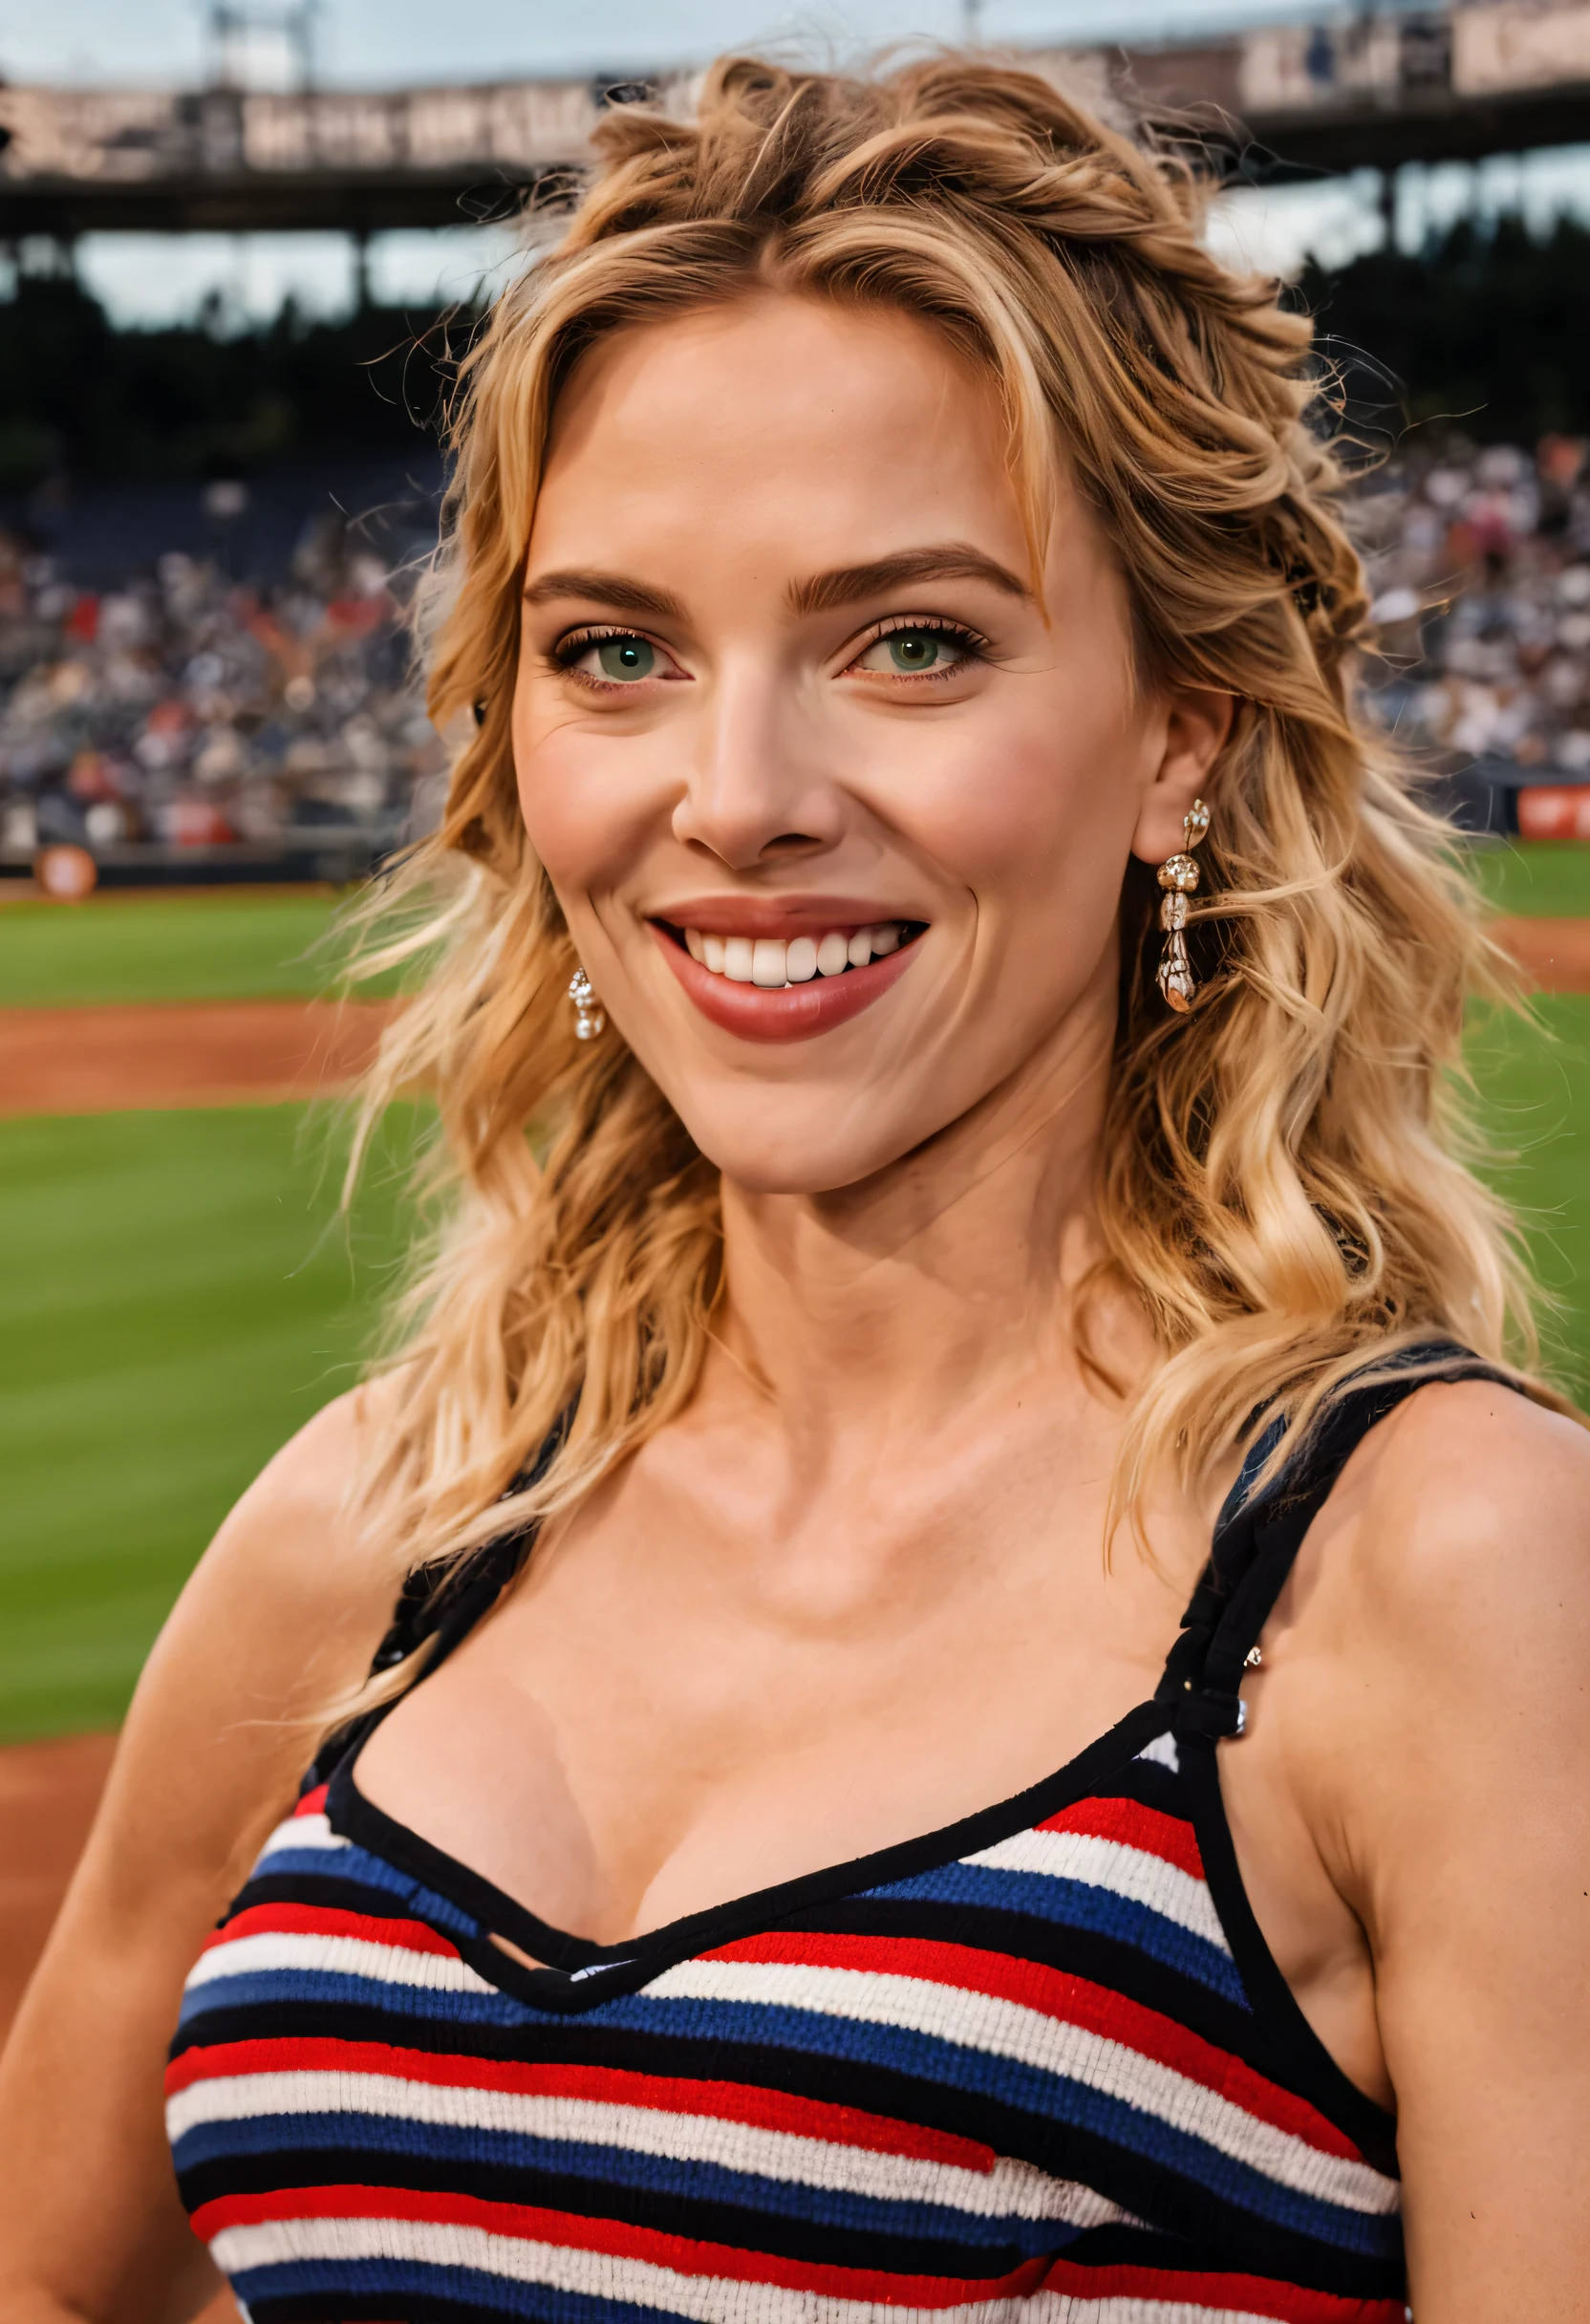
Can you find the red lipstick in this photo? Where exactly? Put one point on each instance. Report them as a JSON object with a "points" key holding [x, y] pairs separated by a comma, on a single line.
{"points": [[791, 1012]]}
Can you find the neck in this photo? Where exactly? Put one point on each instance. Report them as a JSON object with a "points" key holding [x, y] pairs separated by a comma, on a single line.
{"points": [[945, 1278]]}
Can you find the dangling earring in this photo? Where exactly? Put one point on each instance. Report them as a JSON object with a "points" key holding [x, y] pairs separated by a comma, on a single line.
{"points": [[589, 1015], [1179, 876]]}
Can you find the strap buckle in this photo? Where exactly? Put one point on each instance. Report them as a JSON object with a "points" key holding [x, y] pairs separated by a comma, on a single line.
{"points": [[1211, 1712]]}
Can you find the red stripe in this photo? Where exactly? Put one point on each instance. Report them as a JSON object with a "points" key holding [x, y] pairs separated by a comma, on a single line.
{"points": [[330, 1920], [1248, 2295], [313, 1803], [608, 2085], [1052, 1994], [567, 2231], [1169, 1837]]}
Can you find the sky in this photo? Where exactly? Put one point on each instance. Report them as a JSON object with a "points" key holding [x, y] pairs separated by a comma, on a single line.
{"points": [[148, 279], [374, 42]]}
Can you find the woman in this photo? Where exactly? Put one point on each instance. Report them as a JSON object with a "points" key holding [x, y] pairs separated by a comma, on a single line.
{"points": [[942, 1031]]}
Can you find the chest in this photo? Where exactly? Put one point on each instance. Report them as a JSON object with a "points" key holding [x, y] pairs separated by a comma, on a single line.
{"points": [[673, 1709]]}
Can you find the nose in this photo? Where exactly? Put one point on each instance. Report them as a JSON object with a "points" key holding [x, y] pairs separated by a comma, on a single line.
{"points": [[757, 787]]}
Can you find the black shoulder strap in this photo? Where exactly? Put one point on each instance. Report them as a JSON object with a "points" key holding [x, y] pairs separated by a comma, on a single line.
{"points": [[454, 1596], [448, 1598], [1258, 1535]]}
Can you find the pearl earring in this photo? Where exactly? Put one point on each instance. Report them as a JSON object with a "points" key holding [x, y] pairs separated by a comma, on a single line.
{"points": [[1179, 876], [589, 1015]]}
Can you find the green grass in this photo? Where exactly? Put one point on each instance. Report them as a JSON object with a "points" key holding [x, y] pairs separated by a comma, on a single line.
{"points": [[1535, 1085], [1545, 879], [178, 1297], [165, 947]]}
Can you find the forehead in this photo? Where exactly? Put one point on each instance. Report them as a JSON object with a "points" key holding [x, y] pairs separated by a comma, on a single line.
{"points": [[786, 418]]}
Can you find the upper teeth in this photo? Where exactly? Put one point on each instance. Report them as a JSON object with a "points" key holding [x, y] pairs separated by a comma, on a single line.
{"points": [[769, 960]]}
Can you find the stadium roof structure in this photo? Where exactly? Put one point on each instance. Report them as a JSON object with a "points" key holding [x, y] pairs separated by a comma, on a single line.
{"points": [[1377, 88]]}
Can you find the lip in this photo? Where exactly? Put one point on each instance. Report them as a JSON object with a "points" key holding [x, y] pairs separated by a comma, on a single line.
{"points": [[791, 1012], [777, 915]]}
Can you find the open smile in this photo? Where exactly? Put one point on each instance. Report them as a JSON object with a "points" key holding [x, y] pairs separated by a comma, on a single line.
{"points": [[768, 986]]}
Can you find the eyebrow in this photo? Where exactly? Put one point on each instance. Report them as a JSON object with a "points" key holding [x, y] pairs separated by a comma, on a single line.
{"points": [[605, 589], [942, 561], [820, 593]]}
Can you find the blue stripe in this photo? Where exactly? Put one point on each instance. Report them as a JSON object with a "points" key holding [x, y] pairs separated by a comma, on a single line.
{"points": [[354, 1869], [1053, 2098], [577, 2161], [467, 2286], [327, 1989], [1040, 1896]]}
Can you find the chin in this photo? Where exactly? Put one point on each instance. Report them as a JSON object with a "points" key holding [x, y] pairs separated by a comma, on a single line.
{"points": [[764, 1148]]}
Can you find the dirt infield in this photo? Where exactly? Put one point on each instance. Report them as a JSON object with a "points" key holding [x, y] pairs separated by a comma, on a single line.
{"points": [[100, 1059], [209, 1053], [217, 1053], [1553, 955], [47, 1796]]}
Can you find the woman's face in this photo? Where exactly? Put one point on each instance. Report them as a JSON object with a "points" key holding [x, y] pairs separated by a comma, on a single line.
{"points": [[837, 805]]}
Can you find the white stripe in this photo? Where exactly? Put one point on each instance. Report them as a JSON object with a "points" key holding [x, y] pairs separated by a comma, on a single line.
{"points": [[337, 1957], [707, 2299], [1010, 2189], [1163, 1752], [1132, 1873], [303, 1832], [1009, 2029]]}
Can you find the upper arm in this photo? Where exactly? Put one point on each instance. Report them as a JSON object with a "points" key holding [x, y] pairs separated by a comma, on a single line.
{"points": [[1465, 1822], [279, 1619]]}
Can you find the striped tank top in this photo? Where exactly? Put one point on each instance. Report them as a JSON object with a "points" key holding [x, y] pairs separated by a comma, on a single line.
{"points": [[1039, 2065]]}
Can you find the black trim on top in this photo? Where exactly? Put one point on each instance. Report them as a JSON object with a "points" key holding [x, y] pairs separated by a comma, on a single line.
{"points": [[445, 1602], [626, 1967], [1257, 1540], [1256, 1543], [1295, 2055]]}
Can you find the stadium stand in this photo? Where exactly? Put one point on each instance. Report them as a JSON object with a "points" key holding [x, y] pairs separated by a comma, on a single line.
{"points": [[195, 723], [1480, 560], [187, 723]]}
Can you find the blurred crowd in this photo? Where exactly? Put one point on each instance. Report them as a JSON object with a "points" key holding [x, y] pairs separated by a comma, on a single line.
{"points": [[1480, 563], [186, 710]]}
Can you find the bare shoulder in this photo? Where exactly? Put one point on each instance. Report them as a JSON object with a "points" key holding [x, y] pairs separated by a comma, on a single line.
{"points": [[1465, 1477], [278, 1624], [1465, 1522]]}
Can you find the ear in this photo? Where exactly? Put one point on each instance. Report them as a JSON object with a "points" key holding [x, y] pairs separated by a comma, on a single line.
{"points": [[1197, 722]]}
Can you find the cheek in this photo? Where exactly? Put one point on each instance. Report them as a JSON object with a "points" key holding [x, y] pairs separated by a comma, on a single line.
{"points": [[587, 808], [1037, 810]]}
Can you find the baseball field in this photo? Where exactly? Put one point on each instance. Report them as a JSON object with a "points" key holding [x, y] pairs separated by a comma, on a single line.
{"points": [[181, 1291]]}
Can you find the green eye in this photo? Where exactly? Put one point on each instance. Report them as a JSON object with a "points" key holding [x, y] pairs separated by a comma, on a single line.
{"points": [[626, 657], [915, 650], [910, 652]]}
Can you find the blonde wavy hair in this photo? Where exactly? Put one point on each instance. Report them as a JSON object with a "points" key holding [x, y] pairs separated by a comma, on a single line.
{"points": [[1281, 1183]]}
